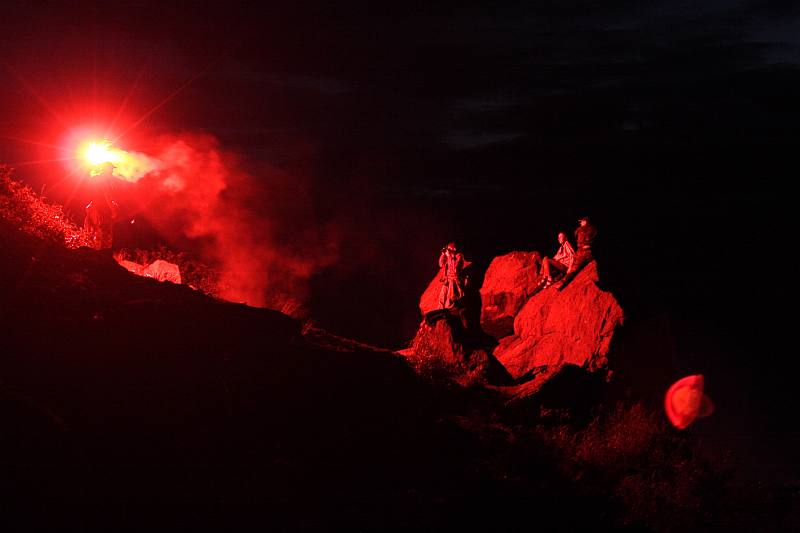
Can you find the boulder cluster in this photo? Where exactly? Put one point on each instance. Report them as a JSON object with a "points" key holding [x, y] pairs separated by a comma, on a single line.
{"points": [[523, 336]]}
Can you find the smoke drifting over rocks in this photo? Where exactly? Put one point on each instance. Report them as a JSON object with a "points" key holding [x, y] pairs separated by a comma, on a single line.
{"points": [[254, 224]]}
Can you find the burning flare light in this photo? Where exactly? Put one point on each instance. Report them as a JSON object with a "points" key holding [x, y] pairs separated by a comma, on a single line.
{"points": [[101, 152], [129, 166], [96, 153]]}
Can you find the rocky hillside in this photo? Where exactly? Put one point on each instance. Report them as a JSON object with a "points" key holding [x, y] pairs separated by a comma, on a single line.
{"points": [[129, 404]]}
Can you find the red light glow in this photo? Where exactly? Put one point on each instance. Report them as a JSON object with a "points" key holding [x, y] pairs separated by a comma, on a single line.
{"points": [[685, 401], [96, 153]]}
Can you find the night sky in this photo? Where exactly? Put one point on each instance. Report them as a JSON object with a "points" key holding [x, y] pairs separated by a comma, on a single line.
{"points": [[671, 123]]}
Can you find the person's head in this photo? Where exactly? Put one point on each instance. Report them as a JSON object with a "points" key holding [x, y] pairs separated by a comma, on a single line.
{"points": [[451, 247], [583, 221], [561, 237]]}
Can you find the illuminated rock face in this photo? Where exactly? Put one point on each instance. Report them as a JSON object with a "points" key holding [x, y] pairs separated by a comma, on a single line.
{"points": [[508, 282], [158, 269], [163, 271], [132, 266], [571, 327], [430, 298]]}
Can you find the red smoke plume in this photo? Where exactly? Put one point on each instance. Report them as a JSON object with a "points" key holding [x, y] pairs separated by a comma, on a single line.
{"points": [[256, 226]]}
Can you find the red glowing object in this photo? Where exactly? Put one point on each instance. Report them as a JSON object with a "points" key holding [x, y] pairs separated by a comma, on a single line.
{"points": [[97, 153], [685, 401]]}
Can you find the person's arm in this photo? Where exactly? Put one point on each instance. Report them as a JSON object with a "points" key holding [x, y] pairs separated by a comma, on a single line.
{"points": [[442, 259], [559, 254]]}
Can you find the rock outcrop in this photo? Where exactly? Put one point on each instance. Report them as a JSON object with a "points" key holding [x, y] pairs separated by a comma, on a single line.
{"points": [[539, 334], [508, 282], [553, 329], [436, 342], [163, 271], [443, 347], [158, 269], [132, 266], [429, 301]]}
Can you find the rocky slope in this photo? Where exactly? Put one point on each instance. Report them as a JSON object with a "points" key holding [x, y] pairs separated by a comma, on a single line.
{"points": [[127, 404]]}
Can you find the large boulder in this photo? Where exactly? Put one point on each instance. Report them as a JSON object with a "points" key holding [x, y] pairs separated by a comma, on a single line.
{"points": [[163, 271], [553, 329], [158, 269], [508, 282], [132, 266], [429, 301]]}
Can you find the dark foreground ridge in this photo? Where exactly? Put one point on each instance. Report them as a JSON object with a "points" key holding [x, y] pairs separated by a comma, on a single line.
{"points": [[129, 404]]}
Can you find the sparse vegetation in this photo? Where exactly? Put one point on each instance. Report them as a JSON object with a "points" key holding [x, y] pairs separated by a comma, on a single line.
{"points": [[24, 209], [29, 212], [627, 468], [656, 475], [439, 359]]}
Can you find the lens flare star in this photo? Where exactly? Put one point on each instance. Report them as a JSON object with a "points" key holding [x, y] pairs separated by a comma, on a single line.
{"points": [[97, 153]]}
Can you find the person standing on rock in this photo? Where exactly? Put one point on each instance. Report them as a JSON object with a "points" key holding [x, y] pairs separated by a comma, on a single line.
{"points": [[560, 263], [585, 235], [452, 261]]}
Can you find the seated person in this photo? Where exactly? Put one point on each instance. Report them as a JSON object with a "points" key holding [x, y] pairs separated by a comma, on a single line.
{"points": [[560, 263], [585, 236]]}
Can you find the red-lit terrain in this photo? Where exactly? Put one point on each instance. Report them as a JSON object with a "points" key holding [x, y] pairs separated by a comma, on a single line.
{"points": [[129, 404]]}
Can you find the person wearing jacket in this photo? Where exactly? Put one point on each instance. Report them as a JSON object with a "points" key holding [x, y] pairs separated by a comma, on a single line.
{"points": [[561, 262], [452, 263], [585, 236]]}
